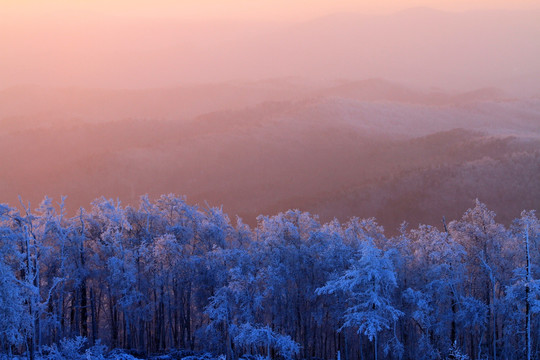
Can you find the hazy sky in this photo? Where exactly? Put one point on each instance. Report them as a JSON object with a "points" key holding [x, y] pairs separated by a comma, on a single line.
{"points": [[243, 9], [159, 43]]}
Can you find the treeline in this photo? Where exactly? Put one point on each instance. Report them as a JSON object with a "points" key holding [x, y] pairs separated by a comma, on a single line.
{"points": [[170, 275]]}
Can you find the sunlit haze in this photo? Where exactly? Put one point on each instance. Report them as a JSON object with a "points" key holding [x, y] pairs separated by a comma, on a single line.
{"points": [[213, 99], [292, 10], [141, 44]]}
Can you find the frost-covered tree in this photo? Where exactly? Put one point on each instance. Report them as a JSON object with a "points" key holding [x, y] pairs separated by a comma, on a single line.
{"points": [[368, 285], [13, 320], [170, 275], [435, 272], [233, 304], [483, 240], [524, 294]]}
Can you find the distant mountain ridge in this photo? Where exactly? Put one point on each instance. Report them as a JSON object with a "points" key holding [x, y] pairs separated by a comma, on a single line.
{"points": [[381, 90], [187, 102]]}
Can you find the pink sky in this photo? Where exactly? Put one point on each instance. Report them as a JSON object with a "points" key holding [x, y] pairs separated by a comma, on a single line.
{"points": [[243, 9], [161, 43]]}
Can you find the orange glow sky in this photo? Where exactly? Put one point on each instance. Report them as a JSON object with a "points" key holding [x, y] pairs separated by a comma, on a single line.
{"points": [[242, 9]]}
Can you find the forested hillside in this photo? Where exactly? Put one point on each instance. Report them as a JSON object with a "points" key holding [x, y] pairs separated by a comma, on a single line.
{"points": [[348, 148], [167, 275]]}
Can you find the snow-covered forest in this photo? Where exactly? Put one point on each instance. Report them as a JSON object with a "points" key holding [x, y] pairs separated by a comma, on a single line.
{"points": [[362, 131], [169, 277]]}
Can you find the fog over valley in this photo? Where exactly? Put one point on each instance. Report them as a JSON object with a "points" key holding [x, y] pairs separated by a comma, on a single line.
{"points": [[267, 146]]}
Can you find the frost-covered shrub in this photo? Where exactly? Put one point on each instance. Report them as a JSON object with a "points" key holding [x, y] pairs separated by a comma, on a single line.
{"points": [[204, 356], [179, 354], [96, 352], [119, 354], [71, 349], [456, 354], [74, 349], [253, 357]]}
